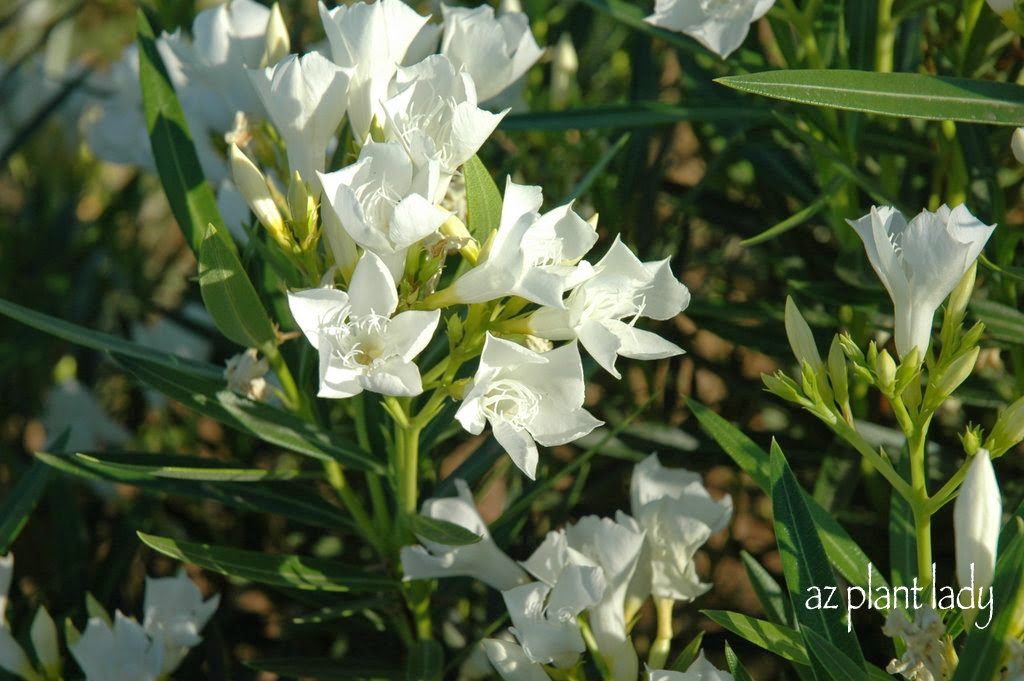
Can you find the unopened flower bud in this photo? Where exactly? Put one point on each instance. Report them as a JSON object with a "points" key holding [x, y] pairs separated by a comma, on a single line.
{"points": [[971, 439], [1008, 430], [850, 349], [837, 372], [1017, 144], [44, 642], [456, 228], [977, 517], [908, 370], [871, 359], [302, 207], [564, 66], [956, 373], [278, 44], [885, 372], [960, 297], [253, 186], [782, 386], [801, 340], [973, 335]]}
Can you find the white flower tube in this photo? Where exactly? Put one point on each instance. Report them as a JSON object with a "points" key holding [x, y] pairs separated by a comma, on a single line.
{"points": [[483, 560], [920, 262], [719, 25], [700, 670], [621, 288], [527, 397], [511, 662], [533, 256], [124, 652], [361, 345], [495, 51], [305, 98], [977, 517], [371, 40], [175, 613]]}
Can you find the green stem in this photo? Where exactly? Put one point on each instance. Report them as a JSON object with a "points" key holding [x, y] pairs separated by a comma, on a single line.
{"points": [[848, 433], [336, 478], [885, 41], [295, 400], [921, 503]]}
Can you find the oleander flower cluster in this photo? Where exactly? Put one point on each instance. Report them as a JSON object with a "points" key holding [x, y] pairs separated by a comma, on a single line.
{"points": [[118, 649], [594, 573]]}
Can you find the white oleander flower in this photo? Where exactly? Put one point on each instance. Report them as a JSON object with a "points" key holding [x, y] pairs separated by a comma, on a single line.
{"points": [[483, 560], [305, 98], [719, 25], [676, 513], [495, 51], [621, 288], [700, 670], [72, 407], [925, 658], [527, 398], [511, 662], [226, 40], [533, 256], [382, 203], [371, 39], [123, 652], [544, 617], [175, 613], [920, 262], [246, 375], [977, 518], [361, 346], [433, 114], [13, 658]]}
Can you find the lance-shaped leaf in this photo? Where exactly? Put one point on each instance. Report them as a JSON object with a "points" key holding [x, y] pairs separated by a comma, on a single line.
{"points": [[483, 200], [289, 571], [20, 502], [229, 295], [190, 197], [907, 95], [805, 564], [441, 531]]}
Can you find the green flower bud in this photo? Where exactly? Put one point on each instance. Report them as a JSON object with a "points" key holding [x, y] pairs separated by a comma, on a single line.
{"points": [[885, 372], [801, 339], [971, 439], [909, 369], [956, 373], [837, 372], [972, 336], [1008, 430], [959, 298], [781, 385], [850, 349]]}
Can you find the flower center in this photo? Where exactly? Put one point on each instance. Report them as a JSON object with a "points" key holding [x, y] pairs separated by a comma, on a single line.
{"points": [[359, 343], [378, 202], [544, 251], [426, 133], [511, 402]]}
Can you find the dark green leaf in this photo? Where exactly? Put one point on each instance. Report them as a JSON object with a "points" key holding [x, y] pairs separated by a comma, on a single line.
{"points": [[442, 532], [191, 198], [285, 499], [1002, 322], [843, 551], [229, 295], [295, 572], [768, 591], [782, 641], [736, 668], [907, 95], [20, 503], [179, 467], [326, 669], [483, 199], [804, 561], [902, 539], [104, 342], [839, 666], [635, 115], [687, 656], [632, 16], [209, 397], [426, 662]]}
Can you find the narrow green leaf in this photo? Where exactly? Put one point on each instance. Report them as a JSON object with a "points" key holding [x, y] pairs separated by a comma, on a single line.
{"points": [[736, 668], [294, 572], [768, 591], [229, 295], [688, 654], [326, 669], [426, 662], [483, 199], [800, 217], [634, 115], [840, 667], [145, 465], [804, 561], [782, 641], [20, 503], [907, 95], [587, 181], [285, 499], [210, 398], [1002, 322], [190, 197], [982, 655], [442, 532], [104, 342], [847, 557], [862, 29]]}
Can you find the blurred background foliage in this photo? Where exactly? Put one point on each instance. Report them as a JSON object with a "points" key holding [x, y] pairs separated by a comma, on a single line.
{"points": [[748, 197]]}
